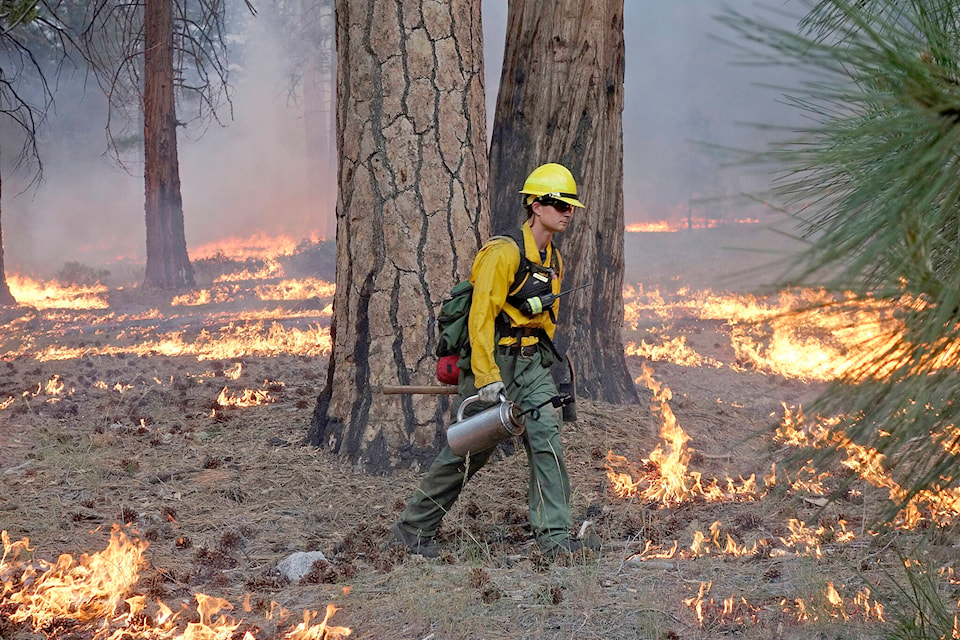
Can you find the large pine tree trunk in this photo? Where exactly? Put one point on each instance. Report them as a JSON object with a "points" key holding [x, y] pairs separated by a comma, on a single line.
{"points": [[168, 265], [561, 100], [411, 207], [6, 298]]}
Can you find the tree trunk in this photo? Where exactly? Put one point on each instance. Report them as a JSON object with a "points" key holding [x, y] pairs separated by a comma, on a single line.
{"points": [[561, 100], [168, 265], [411, 208], [6, 298]]}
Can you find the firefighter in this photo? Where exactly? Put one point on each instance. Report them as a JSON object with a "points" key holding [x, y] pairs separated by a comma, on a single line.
{"points": [[511, 354]]}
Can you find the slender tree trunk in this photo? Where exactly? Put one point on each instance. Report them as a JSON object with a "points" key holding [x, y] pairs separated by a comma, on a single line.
{"points": [[561, 100], [168, 265], [6, 298], [411, 204]]}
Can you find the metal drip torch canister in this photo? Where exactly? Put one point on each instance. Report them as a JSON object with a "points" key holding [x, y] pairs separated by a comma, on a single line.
{"points": [[485, 429]]}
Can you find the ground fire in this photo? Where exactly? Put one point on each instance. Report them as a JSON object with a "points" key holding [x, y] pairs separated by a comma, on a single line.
{"points": [[682, 504], [96, 593]]}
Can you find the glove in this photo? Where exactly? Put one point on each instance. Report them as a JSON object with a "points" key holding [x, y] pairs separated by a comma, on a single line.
{"points": [[491, 392]]}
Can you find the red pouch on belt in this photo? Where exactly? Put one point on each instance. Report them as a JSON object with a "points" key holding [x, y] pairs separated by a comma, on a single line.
{"points": [[447, 370]]}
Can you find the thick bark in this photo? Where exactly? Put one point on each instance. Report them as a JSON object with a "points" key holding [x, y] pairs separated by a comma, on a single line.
{"points": [[168, 265], [6, 298], [561, 100], [411, 204]]}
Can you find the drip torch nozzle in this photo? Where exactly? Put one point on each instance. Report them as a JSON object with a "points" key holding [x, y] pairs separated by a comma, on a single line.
{"points": [[558, 401]]}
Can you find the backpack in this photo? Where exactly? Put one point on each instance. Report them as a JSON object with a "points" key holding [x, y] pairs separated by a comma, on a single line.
{"points": [[453, 336]]}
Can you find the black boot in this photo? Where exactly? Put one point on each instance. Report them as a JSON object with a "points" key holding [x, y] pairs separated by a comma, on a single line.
{"points": [[421, 545]]}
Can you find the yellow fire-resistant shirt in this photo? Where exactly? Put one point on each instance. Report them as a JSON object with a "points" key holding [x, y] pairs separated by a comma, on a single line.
{"points": [[493, 272]]}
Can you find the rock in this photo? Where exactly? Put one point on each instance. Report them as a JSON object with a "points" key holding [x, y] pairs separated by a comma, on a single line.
{"points": [[297, 565]]}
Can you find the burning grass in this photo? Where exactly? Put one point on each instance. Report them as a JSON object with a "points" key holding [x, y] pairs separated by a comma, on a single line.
{"points": [[185, 421], [94, 594], [52, 294]]}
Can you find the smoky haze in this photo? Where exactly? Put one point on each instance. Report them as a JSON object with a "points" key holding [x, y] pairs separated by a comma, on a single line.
{"points": [[249, 176], [256, 175]]}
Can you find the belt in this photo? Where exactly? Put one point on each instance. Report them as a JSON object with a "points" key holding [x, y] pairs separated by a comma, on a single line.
{"points": [[516, 349]]}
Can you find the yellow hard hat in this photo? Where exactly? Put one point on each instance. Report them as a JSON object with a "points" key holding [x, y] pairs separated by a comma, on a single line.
{"points": [[551, 180]]}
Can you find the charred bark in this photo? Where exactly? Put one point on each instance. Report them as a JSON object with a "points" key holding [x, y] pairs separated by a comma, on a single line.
{"points": [[168, 265], [411, 207], [561, 100]]}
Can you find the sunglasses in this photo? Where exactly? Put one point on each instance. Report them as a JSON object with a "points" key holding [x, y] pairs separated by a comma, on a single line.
{"points": [[559, 205]]}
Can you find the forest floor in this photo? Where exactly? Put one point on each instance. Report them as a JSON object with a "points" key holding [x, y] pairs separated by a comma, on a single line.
{"points": [[108, 432]]}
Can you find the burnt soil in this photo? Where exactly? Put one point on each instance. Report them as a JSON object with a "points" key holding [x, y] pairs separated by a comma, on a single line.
{"points": [[223, 494]]}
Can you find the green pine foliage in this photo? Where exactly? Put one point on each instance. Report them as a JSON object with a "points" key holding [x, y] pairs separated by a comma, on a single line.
{"points": [[874, 182], [17, 12]]}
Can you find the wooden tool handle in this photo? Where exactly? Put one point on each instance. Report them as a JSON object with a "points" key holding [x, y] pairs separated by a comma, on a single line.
{"points": [[414, 389]]}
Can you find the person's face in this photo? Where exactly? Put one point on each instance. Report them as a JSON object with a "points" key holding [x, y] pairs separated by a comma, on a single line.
{"points": [[553, 215]]}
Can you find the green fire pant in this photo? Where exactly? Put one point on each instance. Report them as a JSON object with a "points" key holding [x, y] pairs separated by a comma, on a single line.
{"points": [[528, 383]]}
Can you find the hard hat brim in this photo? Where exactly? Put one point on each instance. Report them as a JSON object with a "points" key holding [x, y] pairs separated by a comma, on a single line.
{"points": [[563, 197], [572, 201]]}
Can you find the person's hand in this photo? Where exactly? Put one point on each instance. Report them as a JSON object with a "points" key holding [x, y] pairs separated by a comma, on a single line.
{"points": [[491, 392]]}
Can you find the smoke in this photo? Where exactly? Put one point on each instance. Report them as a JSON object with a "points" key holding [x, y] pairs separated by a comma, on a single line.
{"points": [[683, 94], [254, 174], [260, 172]]}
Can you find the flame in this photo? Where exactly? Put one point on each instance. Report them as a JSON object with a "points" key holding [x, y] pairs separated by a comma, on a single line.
{"points": [[731, 609], [829, 604], [806, 541], [712, 545], [226, 289], [672, 454], [651, 552], [198, 298], [307, 631], [54, 386], [54, 295], [257, 245], [87, 589], [241, 337], [247, 398], [806, 334], [209, 628], [941, 504], [270, 269], [302, 289], [669, 482], [672, 226], [696, 603], [91, 589], [673, 350]]}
